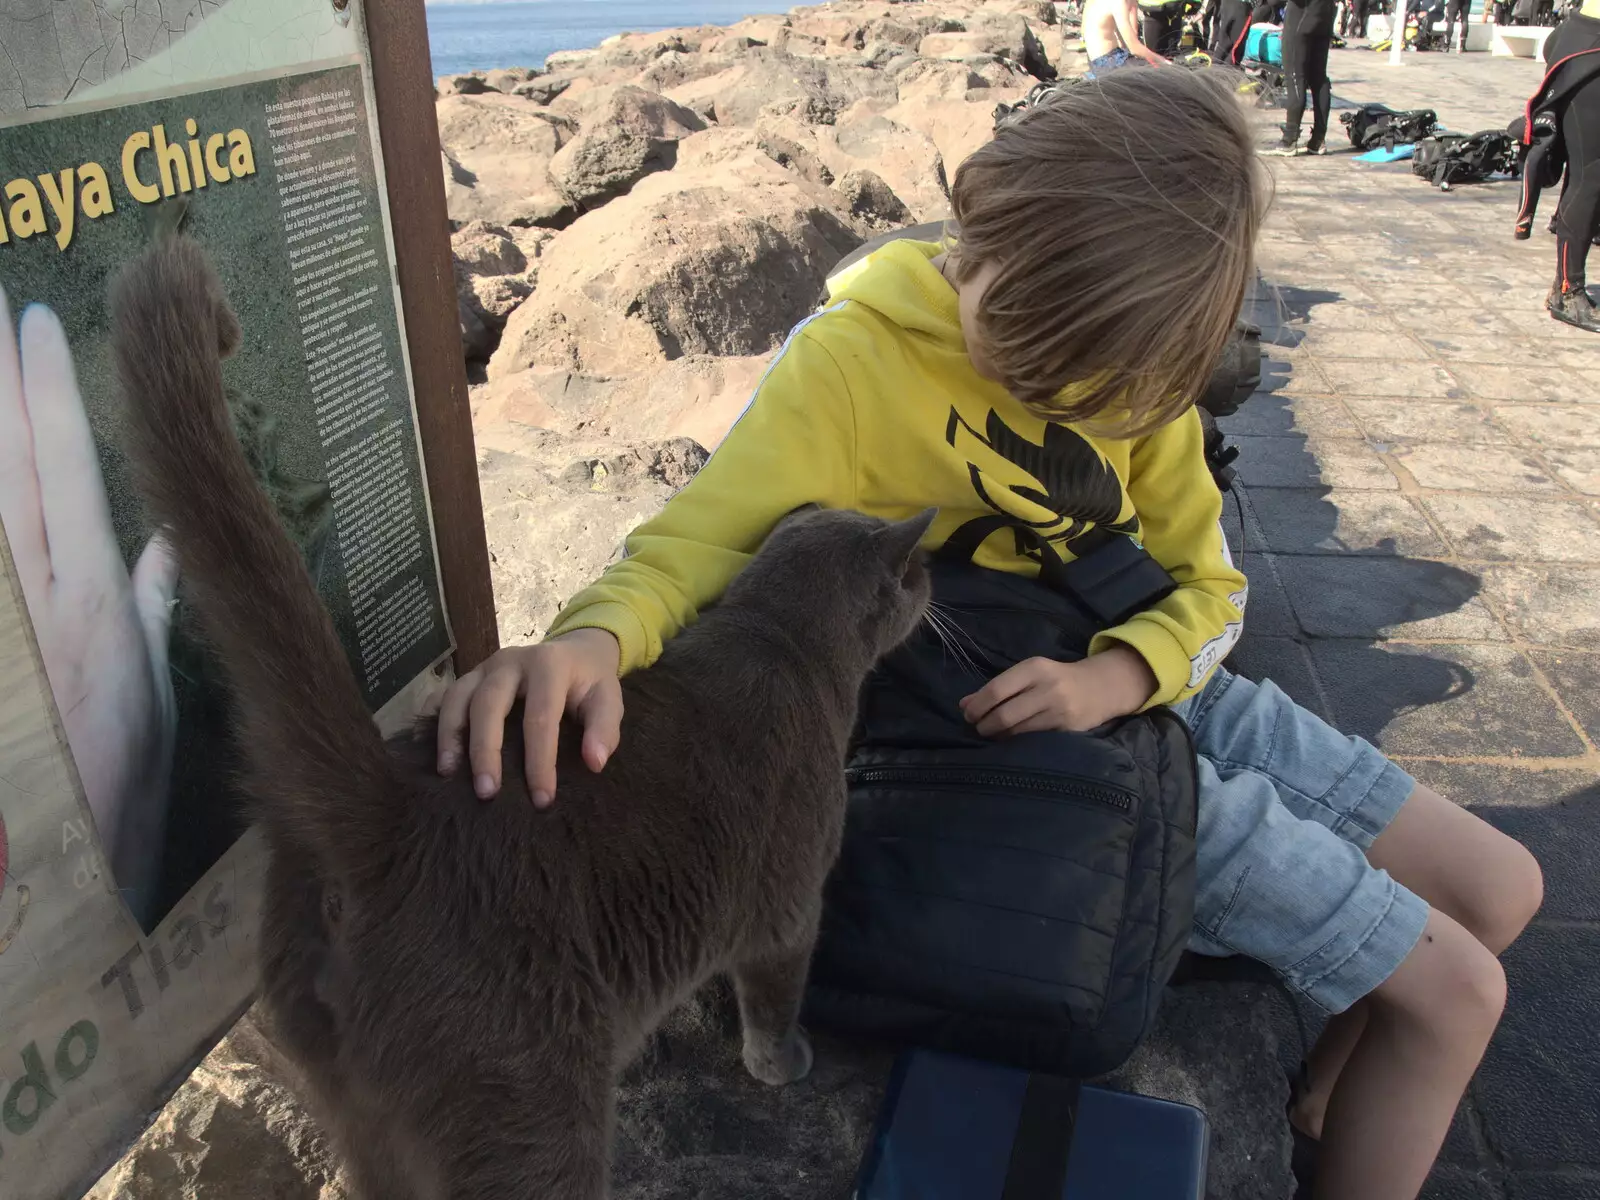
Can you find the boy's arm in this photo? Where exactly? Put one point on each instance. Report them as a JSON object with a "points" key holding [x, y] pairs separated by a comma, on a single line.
{"points": [[794, 444], [1185, 636], [1127, 17]]}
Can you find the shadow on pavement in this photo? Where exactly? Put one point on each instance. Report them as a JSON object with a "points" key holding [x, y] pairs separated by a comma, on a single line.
{"points": [[1322, 610]]}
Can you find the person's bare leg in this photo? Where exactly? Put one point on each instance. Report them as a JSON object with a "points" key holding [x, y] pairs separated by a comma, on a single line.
{"points": [[1323, 1065], [1427, 1027], [1463, 867]]}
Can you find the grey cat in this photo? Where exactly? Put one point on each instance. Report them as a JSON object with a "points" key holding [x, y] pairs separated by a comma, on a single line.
{"points": [[462, 982]]}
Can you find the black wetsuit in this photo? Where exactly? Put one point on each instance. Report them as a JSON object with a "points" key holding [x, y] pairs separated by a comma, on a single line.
{"points": [[1307, 38], [1456, 10], [1228, 36], [1162, 26], [1355, 18], [1568, 101]]}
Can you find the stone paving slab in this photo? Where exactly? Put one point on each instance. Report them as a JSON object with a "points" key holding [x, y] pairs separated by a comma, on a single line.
{"points": [[1420, 525]]}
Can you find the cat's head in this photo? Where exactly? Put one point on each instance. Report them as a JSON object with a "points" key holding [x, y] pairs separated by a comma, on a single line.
{"points": [[857, 580]]}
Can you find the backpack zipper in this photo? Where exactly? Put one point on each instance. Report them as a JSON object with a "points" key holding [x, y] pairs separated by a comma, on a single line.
{"points": [[1002, 777]]}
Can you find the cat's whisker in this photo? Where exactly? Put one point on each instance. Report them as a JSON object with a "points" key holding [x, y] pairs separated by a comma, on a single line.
{"points": [[949, 633]]}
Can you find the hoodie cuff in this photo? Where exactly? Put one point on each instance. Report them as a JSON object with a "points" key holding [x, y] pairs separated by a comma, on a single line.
{"points": [[619, 621], [1163, 652]]}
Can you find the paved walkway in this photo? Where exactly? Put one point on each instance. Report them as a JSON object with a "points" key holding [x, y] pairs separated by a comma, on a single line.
{"points": [[1422, 524]]}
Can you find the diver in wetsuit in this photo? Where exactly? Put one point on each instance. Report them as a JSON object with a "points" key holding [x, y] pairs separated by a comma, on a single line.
{"points": [[1566, 110], [1307, 38], [1163, 25], [1228, 34]]}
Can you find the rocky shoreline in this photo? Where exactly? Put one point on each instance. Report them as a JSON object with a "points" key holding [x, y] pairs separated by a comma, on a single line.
{"points": [[636, 228]]}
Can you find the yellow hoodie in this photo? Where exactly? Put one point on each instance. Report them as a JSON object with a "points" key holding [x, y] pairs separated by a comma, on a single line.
{"points": [[872, 404]]}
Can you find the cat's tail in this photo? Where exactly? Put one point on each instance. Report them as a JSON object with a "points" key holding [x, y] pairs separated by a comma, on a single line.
{"points": [[317, 767]]}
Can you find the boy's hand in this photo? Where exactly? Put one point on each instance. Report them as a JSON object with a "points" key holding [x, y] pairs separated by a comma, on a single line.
{"points": [[1041, 693], [575, 673]]}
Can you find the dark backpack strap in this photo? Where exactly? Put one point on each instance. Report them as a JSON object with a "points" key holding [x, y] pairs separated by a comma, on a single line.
{"points": [[1043, 1145], [1110, 578]]}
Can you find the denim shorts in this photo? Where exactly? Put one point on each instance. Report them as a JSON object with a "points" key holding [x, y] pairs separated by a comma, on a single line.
{"points": [[1108, 62], [1288, 807]]}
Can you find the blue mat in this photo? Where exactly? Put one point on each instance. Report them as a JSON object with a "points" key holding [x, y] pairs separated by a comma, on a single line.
{"points": [[1380, 155]]}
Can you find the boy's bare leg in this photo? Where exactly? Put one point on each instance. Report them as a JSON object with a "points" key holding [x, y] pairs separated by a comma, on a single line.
{"points": [[1324, 1064], [1462, 866], [1427, 1027]]}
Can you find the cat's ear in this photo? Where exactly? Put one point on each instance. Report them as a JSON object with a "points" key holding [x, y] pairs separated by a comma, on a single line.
{"points": [[898, 542]]}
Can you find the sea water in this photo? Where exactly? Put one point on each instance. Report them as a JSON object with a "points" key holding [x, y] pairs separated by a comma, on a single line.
{"points": [[520, 33]]}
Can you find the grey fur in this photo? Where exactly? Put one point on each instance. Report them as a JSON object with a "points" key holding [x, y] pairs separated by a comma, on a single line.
{"points": [[461, 982]]}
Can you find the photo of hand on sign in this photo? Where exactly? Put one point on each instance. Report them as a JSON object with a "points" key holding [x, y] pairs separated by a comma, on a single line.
{"points": [[101, 631]]}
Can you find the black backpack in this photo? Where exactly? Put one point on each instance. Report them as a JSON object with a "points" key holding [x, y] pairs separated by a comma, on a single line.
{"points": [[1451, 158], [1023, 900], [1374, 125]]}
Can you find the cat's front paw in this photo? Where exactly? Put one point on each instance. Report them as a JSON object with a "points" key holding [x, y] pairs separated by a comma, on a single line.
{"points": [[788, 1061]]}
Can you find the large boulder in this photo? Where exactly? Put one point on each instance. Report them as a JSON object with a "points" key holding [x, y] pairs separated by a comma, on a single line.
{"points": [[862, 139], [557, 508], [571, 61], [678, 67], [873, 201], [540, 397], [956, 127], [698, 396], [830, 26], [461, 85], [626, 133], [484, 249], [498, 150], [906, 27], [478, 341], [235, 1130], [936, 79], [493, 275], [798, 154], [996, 34], [765, 79], [542, 89], [762, 29], [906, 158], [720, 256], [507, 79], [1038, 12], [731, 43], [1006, 77], [638, 49]]}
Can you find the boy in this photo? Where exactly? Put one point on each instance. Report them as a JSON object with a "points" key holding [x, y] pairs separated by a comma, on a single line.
{"points": [[929, 380], [1111, 37]]}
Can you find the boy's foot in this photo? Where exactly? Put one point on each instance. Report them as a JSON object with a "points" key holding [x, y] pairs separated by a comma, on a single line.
{"points": [[1316, 147], [1573, 306]]}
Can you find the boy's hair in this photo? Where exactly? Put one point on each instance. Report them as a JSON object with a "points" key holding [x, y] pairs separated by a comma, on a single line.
{"points": [[1123, 213]]}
